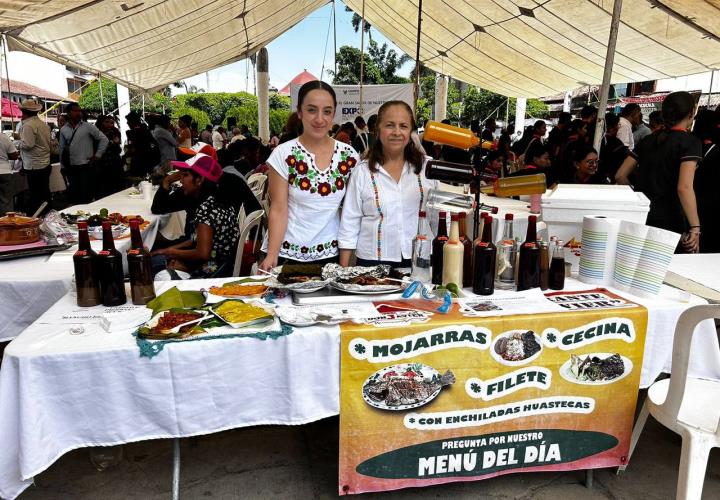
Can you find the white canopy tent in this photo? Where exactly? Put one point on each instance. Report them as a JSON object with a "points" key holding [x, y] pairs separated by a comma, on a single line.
{"points": [[534, 48], [526, 48], [148, 44]]}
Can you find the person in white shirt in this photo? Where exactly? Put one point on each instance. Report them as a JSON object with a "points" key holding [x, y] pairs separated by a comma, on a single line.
{"points": [[218, 138], [630, 116], [385, 194], [308, 178], [8, 152]]}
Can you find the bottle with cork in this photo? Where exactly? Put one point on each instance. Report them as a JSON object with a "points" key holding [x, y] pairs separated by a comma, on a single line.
{"points": [[467, 251], [110, 270], [142, 288], [453, 252], [86, 278], [437, 249], [484, 256]]}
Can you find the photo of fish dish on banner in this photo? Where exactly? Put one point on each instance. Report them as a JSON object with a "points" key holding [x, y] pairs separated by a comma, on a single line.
{"points": [[516, 347], [405, 386], [598, 368]]}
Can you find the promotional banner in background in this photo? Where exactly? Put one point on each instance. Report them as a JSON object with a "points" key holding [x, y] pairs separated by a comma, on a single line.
{"points": [[374, 96], [428, 398]]}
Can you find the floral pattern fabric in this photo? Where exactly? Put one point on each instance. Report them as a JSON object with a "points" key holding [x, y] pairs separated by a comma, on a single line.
{"points": [[224, 223], [314, 199]]}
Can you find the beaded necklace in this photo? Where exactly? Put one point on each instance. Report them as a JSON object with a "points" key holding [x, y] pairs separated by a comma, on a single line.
{"points": [[381, 216]]}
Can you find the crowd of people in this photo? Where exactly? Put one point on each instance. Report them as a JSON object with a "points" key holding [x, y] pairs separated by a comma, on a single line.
{"points": [[339, 189], [673, 160]]}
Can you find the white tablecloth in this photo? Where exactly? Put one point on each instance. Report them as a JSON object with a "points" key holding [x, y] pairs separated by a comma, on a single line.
{"points": [[29, 286], [60, 391]]}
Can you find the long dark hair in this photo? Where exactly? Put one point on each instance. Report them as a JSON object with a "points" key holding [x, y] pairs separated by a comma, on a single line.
{"points": [[412, 154], [315, 85], [676, 107]]}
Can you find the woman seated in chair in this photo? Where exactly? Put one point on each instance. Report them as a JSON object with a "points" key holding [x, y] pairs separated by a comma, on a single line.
{"points": [[211, 250]]}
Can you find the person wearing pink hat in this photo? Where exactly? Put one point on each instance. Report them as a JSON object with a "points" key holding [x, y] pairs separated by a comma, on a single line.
{"points": [[210, 250]]}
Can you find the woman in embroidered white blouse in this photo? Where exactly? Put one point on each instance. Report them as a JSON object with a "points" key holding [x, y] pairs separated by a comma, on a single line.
{"points": [[385, 193], [307, 178]]}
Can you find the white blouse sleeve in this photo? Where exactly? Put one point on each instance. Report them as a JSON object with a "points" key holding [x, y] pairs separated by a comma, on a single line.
{"points": [[352, 209], [277, 159]]}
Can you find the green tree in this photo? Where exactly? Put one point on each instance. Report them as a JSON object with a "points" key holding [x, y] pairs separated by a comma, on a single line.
{"points": [[380, 65], [280, 102], [388, 62], [197, 115], [356, 20], [90, 97], [245, 115], [348, 68], [217, 104], [278, 117]]}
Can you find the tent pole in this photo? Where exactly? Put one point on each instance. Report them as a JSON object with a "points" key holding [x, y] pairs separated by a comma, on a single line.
{"points": [[417, 56], [710, 92], [607, 74], [102, 100], [334, 38], [362, 55], [7, 77]]}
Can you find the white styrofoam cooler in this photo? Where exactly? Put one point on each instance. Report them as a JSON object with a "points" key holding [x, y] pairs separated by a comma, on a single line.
{"points": [[564, 207]]}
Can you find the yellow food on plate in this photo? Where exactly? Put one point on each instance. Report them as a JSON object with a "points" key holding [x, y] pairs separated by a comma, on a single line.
{"points": [[238, 290], [240, 312]]}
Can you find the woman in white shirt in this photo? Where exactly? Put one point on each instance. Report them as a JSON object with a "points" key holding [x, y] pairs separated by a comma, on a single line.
{"points": [[385, 194], [307, 177]]}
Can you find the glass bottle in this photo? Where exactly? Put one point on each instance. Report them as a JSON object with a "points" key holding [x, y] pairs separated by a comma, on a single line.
{"points": [[447, 171], [467, 251], [110, 270], [86, 281], [529, 261], [485, 254], [506, 256], [453, 252], [557, 267], [437, 249], [516, 186], [450, 135], [449, 201], [142, 288], [421, 251], [544, 265]]}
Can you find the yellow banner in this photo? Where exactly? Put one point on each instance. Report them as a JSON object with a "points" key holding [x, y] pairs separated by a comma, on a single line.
{"points": [[451, 397]]}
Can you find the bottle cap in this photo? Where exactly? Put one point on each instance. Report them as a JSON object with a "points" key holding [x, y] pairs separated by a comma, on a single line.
{"points": [[559, 243], [532, 218], [82, 224], [483, 215], [462, 215], [106, 225], [454, 217], [443, 214], [509, 216], [494, 210], [134, 224]]}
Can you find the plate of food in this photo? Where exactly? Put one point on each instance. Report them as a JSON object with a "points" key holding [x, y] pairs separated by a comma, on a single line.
{"points": [[516, 347], [598, 368], [301, 278], [372, 280], [173, 323], [239, 314], [118, 231], [404, 386], [234, 290]]}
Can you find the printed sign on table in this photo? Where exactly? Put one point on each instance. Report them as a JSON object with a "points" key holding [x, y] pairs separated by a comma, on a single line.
{"points": [[461, 397]]}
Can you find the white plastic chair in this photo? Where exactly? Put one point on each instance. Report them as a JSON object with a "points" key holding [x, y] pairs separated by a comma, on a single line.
{"points": [[246, 225], [686, 405]]}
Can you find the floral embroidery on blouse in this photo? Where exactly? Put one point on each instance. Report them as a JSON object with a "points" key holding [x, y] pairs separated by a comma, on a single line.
{"points": [[316, 251], [307, 177]]}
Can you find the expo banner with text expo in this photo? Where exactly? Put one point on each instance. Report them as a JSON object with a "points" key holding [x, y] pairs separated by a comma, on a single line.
{"points": [[428, 398], [348, 99]]}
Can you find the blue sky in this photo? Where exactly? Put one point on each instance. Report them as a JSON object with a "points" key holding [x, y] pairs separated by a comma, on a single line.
{"points": [[295, 51]]}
